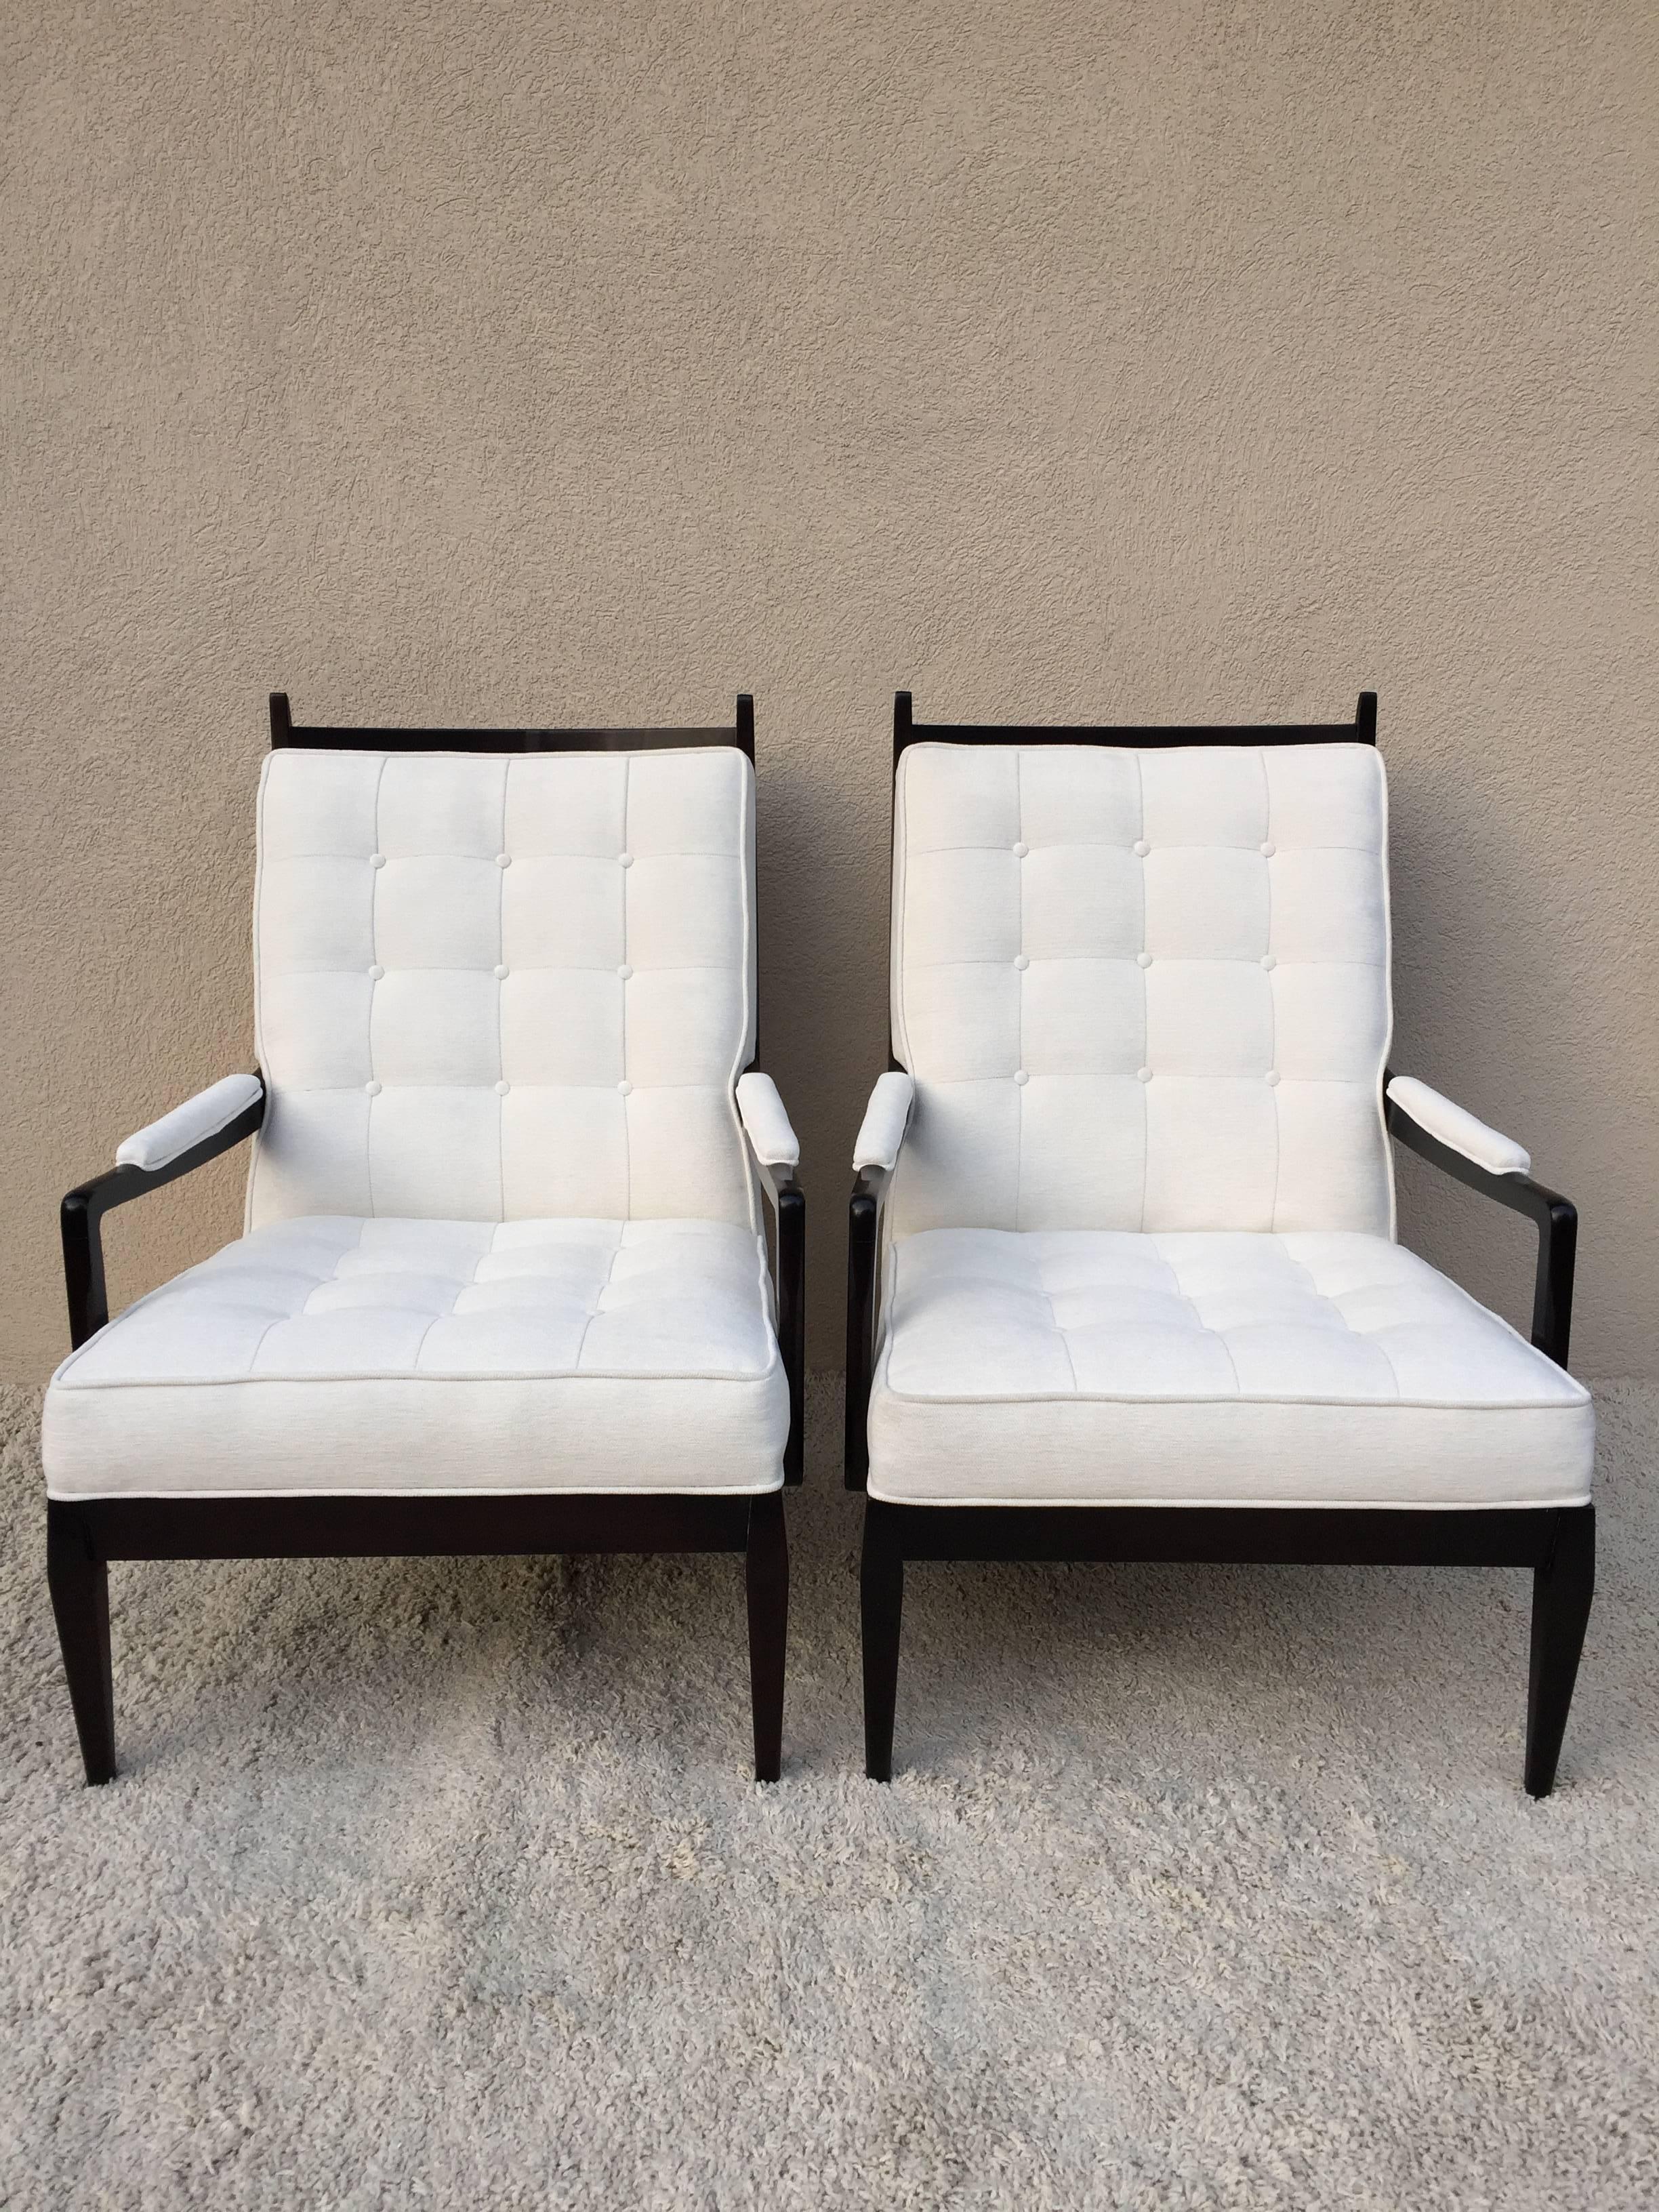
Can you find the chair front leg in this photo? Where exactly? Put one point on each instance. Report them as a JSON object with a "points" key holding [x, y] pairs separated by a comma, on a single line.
{"points": [[1562, 1587], [79, 1581], [766, 1578], [881, 1585]]}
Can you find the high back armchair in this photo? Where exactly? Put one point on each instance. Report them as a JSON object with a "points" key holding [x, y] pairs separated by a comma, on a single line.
{"points": [[1124, 1282], [503, 1285]]}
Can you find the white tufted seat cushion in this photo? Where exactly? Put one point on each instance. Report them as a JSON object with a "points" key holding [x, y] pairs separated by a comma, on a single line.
{"points": [[331, 1355], [1323, 1368]]}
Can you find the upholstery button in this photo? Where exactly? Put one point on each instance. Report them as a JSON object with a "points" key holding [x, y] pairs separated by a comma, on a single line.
{"points": [[503, 859], [501, 974], [377, 860], [1021, 960], [376, 972], [372, 1089], [1020, 1075], [501, 1089], [1268, 960], [1021, 850], [1142, 846], [624, 860], [1272, 1075], [1143, 959], [1143, 1075], [626, 973], [624, 1086], [1267, 848]]}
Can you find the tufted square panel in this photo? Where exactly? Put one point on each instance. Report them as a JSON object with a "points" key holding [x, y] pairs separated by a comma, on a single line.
{"points": [[1142, 990], [594, 1355], [491, 988], [1099, 1367]]}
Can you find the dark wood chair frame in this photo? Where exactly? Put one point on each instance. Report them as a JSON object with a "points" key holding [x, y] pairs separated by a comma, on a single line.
{"points": [[83, 1535], [1557, 1543]]}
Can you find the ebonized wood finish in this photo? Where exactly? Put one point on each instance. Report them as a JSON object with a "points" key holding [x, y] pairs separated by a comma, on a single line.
{"points": [[319, 737], [83, 1535], [906, 731], [1557, 1543], [1555, 1217], [81, 1216]]}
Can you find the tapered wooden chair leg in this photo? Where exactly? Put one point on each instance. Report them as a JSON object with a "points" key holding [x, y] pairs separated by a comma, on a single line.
{"points": [[881, 1592], [1561, 1591], [766, 1577], [79, 1583]]}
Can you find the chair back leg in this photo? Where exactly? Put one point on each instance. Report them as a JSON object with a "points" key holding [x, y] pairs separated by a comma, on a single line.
{"points": [[882, 1595], [1562, 1587], [79, 1581], [766, 1578]]}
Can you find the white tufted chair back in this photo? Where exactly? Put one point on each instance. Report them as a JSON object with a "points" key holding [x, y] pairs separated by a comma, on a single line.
{"points": [[1142, 990], [492, 987]]}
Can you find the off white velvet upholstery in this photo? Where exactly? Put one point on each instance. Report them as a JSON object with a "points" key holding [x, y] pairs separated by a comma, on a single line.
{"points": [[503, 1227], [1138, 1239], [193, 1123], [326, 1355], [495, 988], [886, 1118], [766, 1122], [1322, 1368], [1455, 1126], [1142, 990]]}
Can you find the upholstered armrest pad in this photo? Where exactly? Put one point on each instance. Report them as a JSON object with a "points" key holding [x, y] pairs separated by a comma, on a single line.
{"points": [[1455, 1125], [198, 1118], [775, 1144], [885, 1119]]}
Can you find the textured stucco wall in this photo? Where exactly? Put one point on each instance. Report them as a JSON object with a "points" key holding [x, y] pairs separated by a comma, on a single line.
{"points": [[595, 361]]}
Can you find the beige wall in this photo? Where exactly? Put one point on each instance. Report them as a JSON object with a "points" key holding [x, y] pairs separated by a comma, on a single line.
{"points": [[547, 362]]}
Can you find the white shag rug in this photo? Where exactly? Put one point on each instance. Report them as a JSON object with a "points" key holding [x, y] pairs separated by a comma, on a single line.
{"points": [[444, 1883]]}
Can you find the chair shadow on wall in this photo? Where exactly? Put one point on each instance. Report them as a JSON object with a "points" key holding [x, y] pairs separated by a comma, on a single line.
{"points": [[1452, 930], [819, 957]]}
